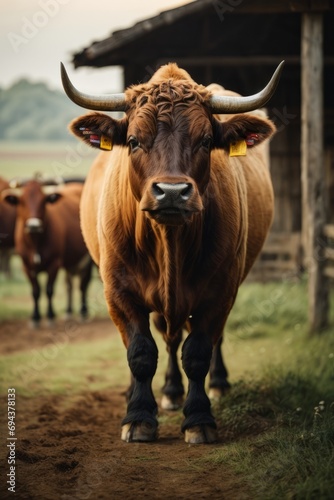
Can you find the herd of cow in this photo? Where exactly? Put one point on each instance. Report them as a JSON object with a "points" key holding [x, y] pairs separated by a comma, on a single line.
{"points": [[174, 211], [39, 218]]}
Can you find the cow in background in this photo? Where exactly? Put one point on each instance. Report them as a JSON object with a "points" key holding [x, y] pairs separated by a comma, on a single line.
{"points": [[48, 237], [7, 228], [174, 211]]}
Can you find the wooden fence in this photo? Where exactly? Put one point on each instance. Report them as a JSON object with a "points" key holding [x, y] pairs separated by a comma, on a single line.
{"points": [[280, 258], [329, 251]]}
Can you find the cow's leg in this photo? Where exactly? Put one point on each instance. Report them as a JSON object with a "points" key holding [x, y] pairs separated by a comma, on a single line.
{"points": [[52, 275], [199, 425], [36, 293], [49, 293], [140, 422], [129, 391], [69, 289], [173, 389], [132, 320], [218, 373], [5, 254], [85, 277]]}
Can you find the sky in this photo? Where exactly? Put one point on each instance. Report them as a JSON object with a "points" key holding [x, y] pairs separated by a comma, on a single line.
{"points": [[35, 35]]}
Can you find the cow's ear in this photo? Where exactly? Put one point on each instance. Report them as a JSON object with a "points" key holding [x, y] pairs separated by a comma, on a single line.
{"points": [[248, 130], [99, 130]]}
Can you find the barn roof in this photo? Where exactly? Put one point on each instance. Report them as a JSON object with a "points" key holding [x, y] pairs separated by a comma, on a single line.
{"points": [[95, 53], [115, 49]]}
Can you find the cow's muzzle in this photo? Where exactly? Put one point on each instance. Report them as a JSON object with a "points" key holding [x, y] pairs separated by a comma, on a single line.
{"points": [[171, 195], [33, 225], [171, 202]]}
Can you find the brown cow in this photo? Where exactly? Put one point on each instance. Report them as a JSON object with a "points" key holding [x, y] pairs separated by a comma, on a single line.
{"points": [[7, 228], [48, 237], [175, 222]]}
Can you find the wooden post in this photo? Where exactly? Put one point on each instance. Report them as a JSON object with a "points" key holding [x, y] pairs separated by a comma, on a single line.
{"points": [[312, 166]]}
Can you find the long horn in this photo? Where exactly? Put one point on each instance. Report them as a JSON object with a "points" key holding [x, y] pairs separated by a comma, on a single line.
{"points": [[51, 181], [106, 102], [17, 182], [228, 104], [52, 189]]}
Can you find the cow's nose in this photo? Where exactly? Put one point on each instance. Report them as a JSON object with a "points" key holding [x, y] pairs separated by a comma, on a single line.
{"points": [[169, 192], [33, 225]]}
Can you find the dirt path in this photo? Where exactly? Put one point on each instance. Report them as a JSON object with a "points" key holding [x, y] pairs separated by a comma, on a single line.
{"points": [[18, 336], [70, 448]]}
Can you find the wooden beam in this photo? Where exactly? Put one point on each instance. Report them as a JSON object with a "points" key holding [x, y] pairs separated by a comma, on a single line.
{"points": [[329, 230], [273, 6], [313, 199], [329, 272], [238, 61], [329, 253]]}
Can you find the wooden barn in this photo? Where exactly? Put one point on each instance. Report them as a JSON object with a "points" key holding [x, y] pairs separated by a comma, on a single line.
{"points": [[238, 44]]}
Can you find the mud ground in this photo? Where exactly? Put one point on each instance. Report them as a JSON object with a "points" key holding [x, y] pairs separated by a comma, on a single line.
{"points": [[70, 448]]}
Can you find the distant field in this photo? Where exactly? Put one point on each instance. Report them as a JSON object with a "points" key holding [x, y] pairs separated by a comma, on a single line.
{"points": [[70, 158]]}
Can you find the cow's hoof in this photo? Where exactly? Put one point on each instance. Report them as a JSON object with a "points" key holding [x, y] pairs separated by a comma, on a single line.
{"points": [[168, 403], [215, 393], [139, 432], [200, 434], [34, 324]]}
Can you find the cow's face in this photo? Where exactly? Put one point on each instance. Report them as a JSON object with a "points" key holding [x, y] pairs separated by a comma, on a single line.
{"points": [[169, 132], [169, 137], [31, 201]]}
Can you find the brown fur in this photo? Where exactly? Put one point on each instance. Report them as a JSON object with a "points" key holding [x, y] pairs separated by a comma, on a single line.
{"points": [[7, 228], [7, 219], [62, 239]]}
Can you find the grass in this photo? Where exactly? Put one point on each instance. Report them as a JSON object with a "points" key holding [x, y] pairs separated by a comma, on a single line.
{"points": [[63, 368], [280, 305], [278, 419], [16, 301], [279, 424]]}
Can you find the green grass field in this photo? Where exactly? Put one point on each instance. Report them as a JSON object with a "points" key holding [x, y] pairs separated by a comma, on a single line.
{"points": [[16, 301], [278, 418], [68, 159]]}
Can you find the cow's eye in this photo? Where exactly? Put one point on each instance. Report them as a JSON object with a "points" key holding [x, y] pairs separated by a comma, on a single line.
{"points": [[133, 143], [52, 198], [207, 142]]}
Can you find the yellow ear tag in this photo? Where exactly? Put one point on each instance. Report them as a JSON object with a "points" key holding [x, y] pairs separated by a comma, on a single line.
{"points": [[238, 148], [105, 143]]}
